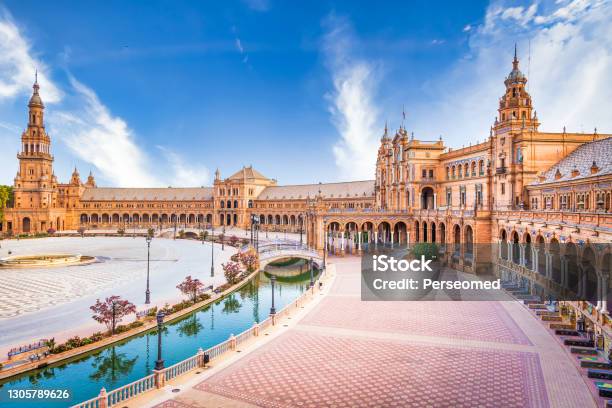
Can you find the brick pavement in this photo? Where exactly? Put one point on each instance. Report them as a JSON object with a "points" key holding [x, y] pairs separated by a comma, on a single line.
{"points": [[348, 353]]}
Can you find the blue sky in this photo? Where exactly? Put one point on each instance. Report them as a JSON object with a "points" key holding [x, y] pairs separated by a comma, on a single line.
{"points": [[160, 93]]}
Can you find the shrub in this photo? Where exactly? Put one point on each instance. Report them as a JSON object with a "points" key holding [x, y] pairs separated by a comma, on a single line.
{"points": [[73, 342], [51, 231], [151, 232], [121, 231], [231, 271], [81, 231], [427, 249], [152, 312], [181, 234], [97, 336]]}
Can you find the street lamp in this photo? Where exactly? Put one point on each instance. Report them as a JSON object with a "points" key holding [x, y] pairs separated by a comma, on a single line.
{"points": [[159, 363], [148, 292], [325, 244], [272, 309], [223, 239], [212, 251], [311, 273]]}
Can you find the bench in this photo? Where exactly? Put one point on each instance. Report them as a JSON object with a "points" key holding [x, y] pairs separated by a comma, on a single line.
{"points": [[566, 332], [579, 342], [584, 351], [599, 373], [605, 389]]}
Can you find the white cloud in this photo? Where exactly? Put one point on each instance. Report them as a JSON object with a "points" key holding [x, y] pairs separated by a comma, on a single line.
{"points": [[467, 28], [185, 173], [81, 121], [96, 136], [18, 64], [258, 5], [353, 110], [570, 72]]}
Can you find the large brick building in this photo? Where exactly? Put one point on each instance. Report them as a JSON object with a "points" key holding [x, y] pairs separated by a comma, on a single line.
{"points": [[527, 189]]}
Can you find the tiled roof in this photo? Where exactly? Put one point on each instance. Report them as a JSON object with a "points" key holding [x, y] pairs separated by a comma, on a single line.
{"points": [[248, 173], [582, 159], [329, 190], [147, 194]]}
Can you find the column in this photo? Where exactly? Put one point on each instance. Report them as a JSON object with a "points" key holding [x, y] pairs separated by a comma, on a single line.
{"points": [[534, 259], [435, 201], [391, 238], [521, 254], [604, 294], [548, 259]]}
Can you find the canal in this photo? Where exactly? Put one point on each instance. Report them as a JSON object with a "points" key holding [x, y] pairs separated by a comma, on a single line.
{"points": [[124, 362]]}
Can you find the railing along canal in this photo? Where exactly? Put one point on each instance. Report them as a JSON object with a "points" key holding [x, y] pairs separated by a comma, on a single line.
{"points": [[158, 378]]}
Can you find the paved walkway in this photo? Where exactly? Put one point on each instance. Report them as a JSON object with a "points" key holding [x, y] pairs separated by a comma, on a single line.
{"points": [[348, 353]]}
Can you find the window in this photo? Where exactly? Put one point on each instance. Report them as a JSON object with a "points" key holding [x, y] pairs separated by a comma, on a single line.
{"points": [[430, 173], [424, 173], [503, 188]]}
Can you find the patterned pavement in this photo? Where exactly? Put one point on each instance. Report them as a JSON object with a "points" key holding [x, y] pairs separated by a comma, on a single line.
{"points": [[348, 353]]}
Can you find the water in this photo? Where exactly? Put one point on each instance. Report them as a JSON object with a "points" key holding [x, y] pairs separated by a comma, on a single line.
{"points": [[133, 359]]}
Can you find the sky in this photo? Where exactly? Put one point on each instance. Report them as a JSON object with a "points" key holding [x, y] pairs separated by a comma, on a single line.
{"points": [[163, 93]]}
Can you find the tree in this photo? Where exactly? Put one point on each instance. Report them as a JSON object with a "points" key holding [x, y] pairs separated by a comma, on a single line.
{"points": [[427, 249], [151, 232], [203, 235], [6, 199], [81, 231], [121, 231], [111, 311], [250, 260], [50, 344], [191, 287], [231, 271], [181, 234]]}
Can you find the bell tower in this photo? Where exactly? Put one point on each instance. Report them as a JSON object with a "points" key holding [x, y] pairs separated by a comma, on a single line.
{"points": [[515, 121], [35, 183]]}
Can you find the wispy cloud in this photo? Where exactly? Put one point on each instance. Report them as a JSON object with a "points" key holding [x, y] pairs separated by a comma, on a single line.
{"points": [[240, 48], [18, 63], [570, 69], [185, 173], [351, 103], [82, 122], [96, 136], [258, 5]]}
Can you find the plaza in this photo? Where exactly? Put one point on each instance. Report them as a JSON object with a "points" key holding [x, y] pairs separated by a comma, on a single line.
{"points": [[54, 302]]}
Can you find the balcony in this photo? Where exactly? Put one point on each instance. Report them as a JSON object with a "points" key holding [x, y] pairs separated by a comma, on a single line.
{"points": [[500, 170]]}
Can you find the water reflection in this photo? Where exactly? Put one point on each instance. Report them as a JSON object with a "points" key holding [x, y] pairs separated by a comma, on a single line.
{"points": [[190, 326], [111, 366]]}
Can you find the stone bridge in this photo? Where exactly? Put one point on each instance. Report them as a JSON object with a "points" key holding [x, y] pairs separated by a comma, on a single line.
{"points": [[275, 251]]}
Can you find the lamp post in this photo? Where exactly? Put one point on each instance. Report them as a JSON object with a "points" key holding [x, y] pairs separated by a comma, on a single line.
{"points": [[212, 251], [272, 309], [326, 238], [148, 292], [159, 363], [223, 239], [311, 273]]}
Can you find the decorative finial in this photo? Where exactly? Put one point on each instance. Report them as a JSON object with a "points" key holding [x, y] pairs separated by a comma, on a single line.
{"points": [[36, 76]]}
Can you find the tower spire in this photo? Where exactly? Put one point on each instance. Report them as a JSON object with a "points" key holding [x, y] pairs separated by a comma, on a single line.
{"points": [[515, 61]]}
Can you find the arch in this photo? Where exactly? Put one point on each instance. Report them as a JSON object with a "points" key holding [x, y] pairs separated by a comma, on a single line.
{"points": [[442, 233], [469, 242], [191, 219], [573, 273], [277, 219], [590, 276], [285, 219], [504, 244], [228, 219], [541, 249], [145, 218], [292, 219], [384, 231], [164, 218], [173, 218], [105, 218], [399, 232], [26, 224], [235, 219], [427, 198], [433, 232], [95, 218], [228, 204], [84, 219], [516, 251], [417, 237], [222, 204], [368, 231], [135, 218], [209, 218], [126, 218], [527, 250], [116, 218], [262, 219], [270, 219], [200, 218], [183, 218], [555, 253], [425, 234], [155, 218], [457, 240]]}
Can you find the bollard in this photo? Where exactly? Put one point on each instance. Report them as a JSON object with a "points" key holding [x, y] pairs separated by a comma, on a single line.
{"points": [[256, 329], [232, 342], [160, 378], [102, 400], [200, 357]]}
